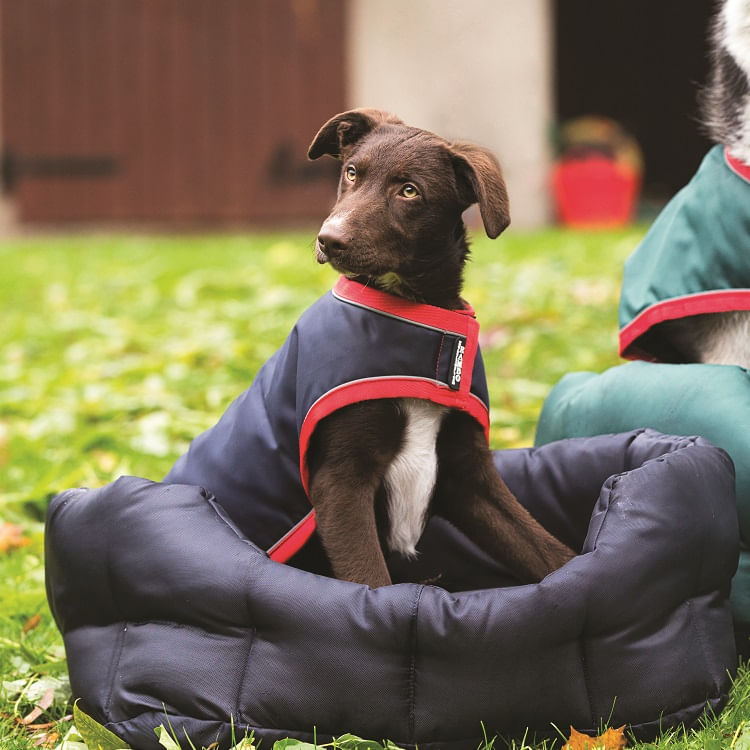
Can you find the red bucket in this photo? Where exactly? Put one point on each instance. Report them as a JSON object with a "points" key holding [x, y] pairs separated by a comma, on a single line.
{"points": [[594, 191]]}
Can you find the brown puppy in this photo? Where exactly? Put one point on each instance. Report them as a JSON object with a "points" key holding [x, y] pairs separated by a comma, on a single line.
{"points": [[377, 468]]}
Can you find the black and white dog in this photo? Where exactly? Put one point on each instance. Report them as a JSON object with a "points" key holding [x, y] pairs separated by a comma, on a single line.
{"points": [[726, 98], [723, 337]]}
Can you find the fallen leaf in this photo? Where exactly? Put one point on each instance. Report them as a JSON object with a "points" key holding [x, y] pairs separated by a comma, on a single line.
{"points": [[741, 739], [289, 743], [165, 738], [105, 460], [33, 692], [39, 727], [11, 537], [31, 623], [94, 735], [47, 740], [44, 703], [72, 740], [612, 739], [353, 742]]}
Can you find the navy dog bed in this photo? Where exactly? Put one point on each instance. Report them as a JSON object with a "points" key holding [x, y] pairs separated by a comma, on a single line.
{"points": [[165, 608]]}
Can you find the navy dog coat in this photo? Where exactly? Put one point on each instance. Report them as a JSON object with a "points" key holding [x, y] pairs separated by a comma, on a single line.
{"points": [[355, 343]]}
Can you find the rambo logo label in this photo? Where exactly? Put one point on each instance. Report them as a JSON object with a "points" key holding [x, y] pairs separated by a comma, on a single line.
{"points": [[459, 347]]}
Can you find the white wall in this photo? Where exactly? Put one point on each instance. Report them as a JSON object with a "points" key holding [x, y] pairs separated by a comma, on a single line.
{"points": [[476, 70]]}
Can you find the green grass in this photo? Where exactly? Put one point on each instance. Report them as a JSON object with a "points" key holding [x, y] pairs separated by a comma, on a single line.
{"points": [[116, 350]]}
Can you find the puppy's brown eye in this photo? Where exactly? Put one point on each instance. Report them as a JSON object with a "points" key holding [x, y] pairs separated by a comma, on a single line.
{"points": [[409, 191], [351, 173]]}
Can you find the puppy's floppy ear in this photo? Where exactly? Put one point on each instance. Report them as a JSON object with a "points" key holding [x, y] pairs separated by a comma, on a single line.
{"points": [[345, 129], [480, 180]]}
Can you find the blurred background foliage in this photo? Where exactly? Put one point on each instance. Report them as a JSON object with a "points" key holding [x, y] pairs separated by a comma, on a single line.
{"points": [[116, 350]]}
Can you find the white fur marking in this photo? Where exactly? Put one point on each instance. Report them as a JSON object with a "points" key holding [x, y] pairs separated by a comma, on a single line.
{"points": [[736, 40], [729, 343], [740, 149], [410, 479], [737, 32]]}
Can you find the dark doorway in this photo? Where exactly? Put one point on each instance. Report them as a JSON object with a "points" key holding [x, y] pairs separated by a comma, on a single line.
{"points": [[641, 63]]}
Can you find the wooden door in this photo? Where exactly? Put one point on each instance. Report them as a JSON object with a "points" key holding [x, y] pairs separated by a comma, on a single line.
{"points": [[177, 111]]}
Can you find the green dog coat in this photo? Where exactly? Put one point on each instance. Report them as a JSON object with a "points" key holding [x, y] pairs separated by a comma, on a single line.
{"points": [[694, 259]]}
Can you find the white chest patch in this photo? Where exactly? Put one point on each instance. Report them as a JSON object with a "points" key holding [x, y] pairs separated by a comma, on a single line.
{"points": [[729, 343], [410, 479]]}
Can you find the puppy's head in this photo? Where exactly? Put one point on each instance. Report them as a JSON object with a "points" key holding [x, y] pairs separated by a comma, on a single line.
{"points": [[726, 98], [401, 194]]}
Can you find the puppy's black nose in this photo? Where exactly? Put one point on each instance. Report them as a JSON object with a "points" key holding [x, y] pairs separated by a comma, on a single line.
{"points": [[331, 243]]}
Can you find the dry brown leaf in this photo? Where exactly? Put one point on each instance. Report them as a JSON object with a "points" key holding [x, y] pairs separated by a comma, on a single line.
{"points": [[51, 739], [612, 739], [44, 703], [105, 460], [11, 537], [31, 623], [31, 717]]}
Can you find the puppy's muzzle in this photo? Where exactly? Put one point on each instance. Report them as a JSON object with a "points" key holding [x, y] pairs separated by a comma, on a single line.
{"points": [[332, 241]]}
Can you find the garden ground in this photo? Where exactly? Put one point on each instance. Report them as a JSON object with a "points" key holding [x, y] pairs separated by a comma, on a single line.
{"points": [[116, 350]]}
